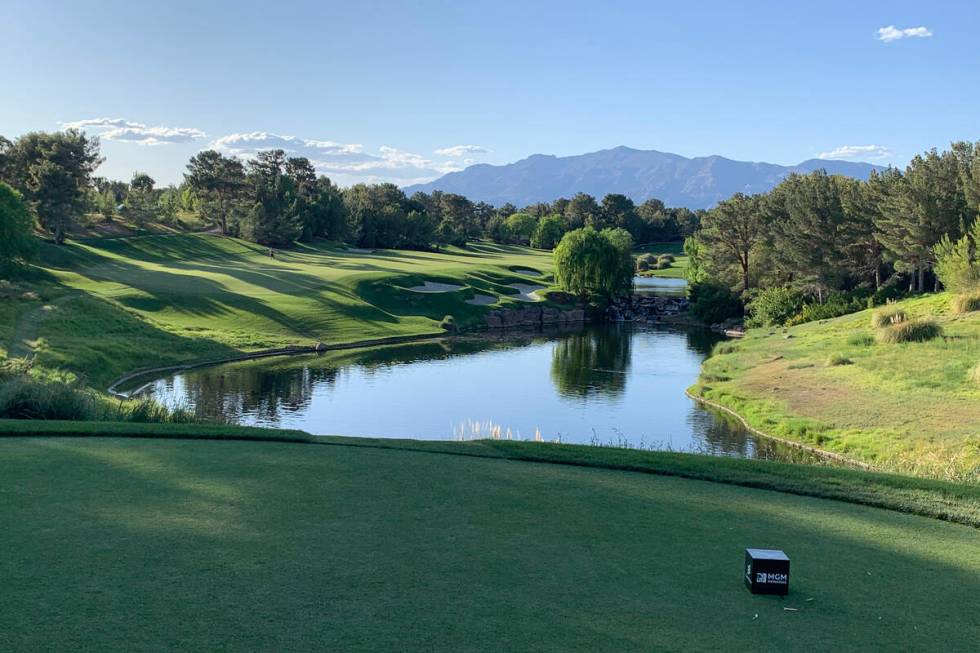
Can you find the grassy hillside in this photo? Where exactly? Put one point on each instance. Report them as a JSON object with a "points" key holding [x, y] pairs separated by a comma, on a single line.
{"points": [[231, 545], [133, 302], [911, 407]]}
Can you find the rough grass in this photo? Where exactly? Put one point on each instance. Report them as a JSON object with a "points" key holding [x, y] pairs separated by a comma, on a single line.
{"points": [[117, 544], [907, 407], [887, 317], [921, 330], [159, 300], [966, 303]]}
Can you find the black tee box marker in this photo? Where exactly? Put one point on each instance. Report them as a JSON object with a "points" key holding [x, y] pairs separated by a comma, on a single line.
{"points": [[767, 571]]}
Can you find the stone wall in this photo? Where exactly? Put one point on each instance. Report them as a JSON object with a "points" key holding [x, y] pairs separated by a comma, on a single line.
{"points": [[533, 316]]}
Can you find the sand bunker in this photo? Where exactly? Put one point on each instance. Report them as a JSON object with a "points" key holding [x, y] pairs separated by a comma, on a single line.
{"points": [[527, 292], [482, 300], [432, 286], [527, 271]]}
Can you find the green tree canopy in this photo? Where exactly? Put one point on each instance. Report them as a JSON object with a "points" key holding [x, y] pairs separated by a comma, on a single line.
{"points": [[548, 231], [590, 262], [18, 245]]}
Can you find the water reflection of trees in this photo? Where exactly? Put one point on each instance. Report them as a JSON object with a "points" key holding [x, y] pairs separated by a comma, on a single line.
{"points": [[253, 389], [592, 363]]}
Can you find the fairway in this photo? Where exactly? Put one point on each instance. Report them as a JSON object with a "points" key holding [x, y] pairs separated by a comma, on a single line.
{"points": [[119, 544], [147, 301]]}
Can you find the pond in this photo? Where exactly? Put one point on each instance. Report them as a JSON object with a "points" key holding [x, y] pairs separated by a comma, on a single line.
{"points": [[617, 384]]}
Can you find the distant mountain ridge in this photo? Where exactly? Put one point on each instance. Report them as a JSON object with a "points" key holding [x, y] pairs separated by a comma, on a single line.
{"points": [[695, 183]]}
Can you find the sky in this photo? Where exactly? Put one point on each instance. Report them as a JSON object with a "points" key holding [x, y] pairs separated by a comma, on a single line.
{"points": [[406, 91]]}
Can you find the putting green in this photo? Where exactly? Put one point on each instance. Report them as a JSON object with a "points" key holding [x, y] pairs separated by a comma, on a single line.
{"points": [[120, 544]]}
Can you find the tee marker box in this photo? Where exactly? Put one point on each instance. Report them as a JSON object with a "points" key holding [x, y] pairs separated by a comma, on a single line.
{"points": [[767, 571]]}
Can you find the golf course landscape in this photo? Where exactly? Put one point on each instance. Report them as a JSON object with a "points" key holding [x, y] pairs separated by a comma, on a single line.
{"points": [[332, 327], [200, 536], [104, 307]]}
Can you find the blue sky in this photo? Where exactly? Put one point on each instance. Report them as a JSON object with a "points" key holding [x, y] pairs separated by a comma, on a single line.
{"points": [[389, 91]]}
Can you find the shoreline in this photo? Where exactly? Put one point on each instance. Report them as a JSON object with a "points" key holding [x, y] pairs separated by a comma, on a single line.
{"points": [[830, 455]]}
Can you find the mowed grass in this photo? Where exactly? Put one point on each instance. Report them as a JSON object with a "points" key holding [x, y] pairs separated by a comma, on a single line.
{"points": [[910, 407], [677, 269], [123, 544], [157, 300]]}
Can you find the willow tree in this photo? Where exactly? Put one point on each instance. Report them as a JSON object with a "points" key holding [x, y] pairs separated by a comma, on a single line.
{"points": [[590, 262]]}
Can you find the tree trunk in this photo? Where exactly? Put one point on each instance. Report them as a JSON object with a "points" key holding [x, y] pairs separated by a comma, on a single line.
{"points": [[877, 277], [922, 278], [745, 274]]}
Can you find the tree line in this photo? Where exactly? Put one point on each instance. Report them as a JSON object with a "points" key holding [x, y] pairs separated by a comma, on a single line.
{"points": [[276, 200], [818, 238]]}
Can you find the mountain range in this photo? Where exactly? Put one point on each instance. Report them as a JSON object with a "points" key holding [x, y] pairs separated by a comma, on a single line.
{"points": [[695, 183]]}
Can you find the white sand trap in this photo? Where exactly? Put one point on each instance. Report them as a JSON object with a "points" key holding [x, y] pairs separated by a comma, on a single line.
{"points": [[482, 300], [432, 286], [527, 272], [527, 292]]}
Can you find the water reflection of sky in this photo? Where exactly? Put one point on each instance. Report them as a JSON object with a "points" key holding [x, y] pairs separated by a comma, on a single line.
{"points": [[606, 384]]}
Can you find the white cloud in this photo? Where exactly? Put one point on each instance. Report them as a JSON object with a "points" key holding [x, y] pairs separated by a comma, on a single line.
{"points": [[892, 33], [857, 152], [117, 129], [457, 151], [350, 161]]}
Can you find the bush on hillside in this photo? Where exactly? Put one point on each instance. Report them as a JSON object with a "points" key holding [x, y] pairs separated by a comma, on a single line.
{"points": [[835, 306], [888, 317], [23, 397], [910, 331], [838, 359], [645, 262], [713, 302], [967, 303], [774, 306]]}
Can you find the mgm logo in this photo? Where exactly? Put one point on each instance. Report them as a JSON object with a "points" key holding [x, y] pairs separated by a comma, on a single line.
{"points": [[771, 578]]}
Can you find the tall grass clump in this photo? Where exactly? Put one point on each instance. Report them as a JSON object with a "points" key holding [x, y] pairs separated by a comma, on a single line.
{"points": [[838, 359], [910, 331], [24, 397], [887, 317], [974, 374], [966, 303]]}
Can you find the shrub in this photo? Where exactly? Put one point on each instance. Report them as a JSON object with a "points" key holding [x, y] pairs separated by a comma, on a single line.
{"points": [[967, 303], [838, 359], [665, 258], [448, 323], [888, 317], [774, 306], [910, 331], [713, 302], [23, 397], [835, 306], [861, 340]]}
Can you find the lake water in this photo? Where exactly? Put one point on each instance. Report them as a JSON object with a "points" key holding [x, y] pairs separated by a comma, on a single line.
{"points": [[617, 384]]}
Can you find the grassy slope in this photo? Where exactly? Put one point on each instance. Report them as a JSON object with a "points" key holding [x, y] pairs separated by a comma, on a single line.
{"points": [[677, 269], [908, 407], [275, 546], [164, 299]]}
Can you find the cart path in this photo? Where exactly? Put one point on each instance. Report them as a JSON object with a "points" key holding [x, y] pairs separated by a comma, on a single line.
{"points": [[23, 343]]}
